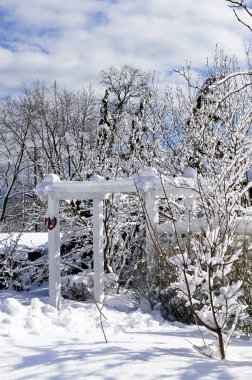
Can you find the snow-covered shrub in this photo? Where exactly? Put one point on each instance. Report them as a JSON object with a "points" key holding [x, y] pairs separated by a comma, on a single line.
{"points": [[150, 281], [18, 268], [204, 261], [143, 286], [77, 287], [204, 269], [242, 271], [10, 262], [175, 307], [80, 287]]}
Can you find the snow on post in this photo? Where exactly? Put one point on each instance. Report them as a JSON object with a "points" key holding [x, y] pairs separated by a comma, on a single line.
{"points": [[44, 188]]}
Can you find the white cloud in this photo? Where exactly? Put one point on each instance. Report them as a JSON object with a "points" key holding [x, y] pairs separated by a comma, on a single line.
{"points": [[71, 41]]}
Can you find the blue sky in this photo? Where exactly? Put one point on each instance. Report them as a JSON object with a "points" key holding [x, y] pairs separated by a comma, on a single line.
{"points": [[72, 41]]}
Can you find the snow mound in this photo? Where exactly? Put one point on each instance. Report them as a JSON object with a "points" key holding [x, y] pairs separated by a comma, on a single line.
{"points": [[82, 318]]}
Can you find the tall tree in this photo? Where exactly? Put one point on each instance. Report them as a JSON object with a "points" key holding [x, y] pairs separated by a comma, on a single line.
{"points": [[16, 121]]}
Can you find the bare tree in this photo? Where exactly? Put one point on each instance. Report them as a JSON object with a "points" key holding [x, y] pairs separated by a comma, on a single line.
{"points": [[46, 129], [16, 121], [63, 129], [129, 135]]}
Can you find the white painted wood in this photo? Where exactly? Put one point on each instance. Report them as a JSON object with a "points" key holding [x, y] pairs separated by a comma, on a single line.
{"points": [[147, 183], [175, 187], [152, 219], [101, 187], [98, 256], [54, 254]]}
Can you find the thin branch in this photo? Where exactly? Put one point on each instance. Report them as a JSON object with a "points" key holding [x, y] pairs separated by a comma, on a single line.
{"points": [[240, 5], [241, 21], [101, 315]]}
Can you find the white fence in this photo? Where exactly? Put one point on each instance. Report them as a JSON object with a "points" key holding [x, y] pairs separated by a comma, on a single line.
{"points": [[151, 188]]}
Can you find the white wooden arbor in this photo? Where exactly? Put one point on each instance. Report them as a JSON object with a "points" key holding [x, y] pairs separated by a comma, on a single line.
{"points": [[54, 190], [147, 183]]}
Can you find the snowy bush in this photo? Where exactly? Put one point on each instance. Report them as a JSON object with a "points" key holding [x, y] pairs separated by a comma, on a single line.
{"points": [[203, 269], [79, 287], [242, 271], [20, 267], [175, 308]]}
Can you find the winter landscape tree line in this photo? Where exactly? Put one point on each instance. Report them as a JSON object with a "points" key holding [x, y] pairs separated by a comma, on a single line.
{"points": [[201, 129]]}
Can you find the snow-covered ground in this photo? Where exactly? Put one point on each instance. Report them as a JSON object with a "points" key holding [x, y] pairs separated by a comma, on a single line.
{"points": [[37, 342]]}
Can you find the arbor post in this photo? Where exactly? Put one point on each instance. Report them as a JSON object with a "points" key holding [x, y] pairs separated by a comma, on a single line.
{"points": [[146, 183], [98, 254], [152, 218], [54, 251]]}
